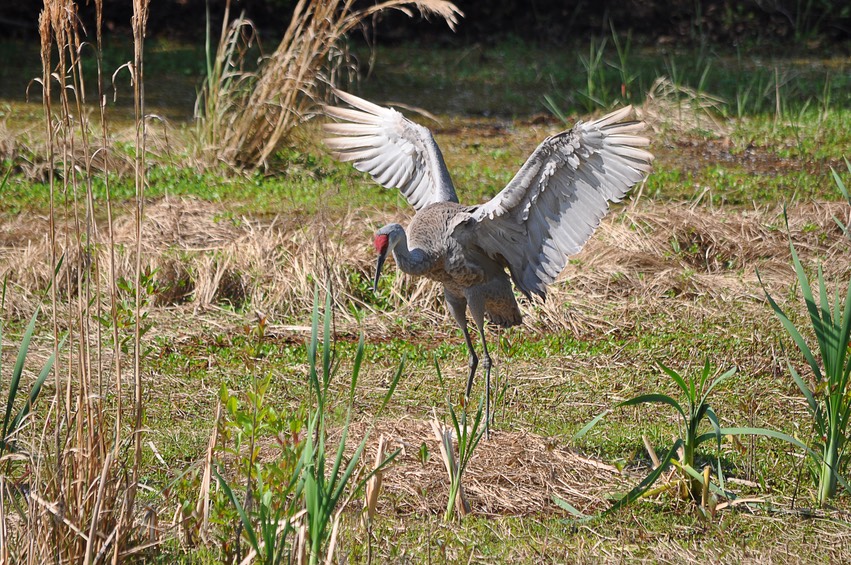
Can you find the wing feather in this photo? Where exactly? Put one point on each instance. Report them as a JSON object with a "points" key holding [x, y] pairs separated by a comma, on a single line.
{"points": [[559, 196], [396, 152]]}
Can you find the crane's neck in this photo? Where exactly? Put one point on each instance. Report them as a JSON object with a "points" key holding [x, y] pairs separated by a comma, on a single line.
{"points": [[412, 261]]}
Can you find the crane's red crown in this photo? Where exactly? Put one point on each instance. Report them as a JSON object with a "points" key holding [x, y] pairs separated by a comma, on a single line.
{"points": [[381, 242]]}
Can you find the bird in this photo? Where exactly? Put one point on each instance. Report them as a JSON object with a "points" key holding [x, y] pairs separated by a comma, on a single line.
{"points": [[524, 234]]}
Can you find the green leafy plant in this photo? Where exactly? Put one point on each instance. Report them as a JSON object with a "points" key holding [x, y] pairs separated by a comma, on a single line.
{"points": [[13, 424], [829, 399], [125, 309], [594, 94], [280, 496], [270, 483], [322, 494], [622, 49], [468, 438], [696, 389]]}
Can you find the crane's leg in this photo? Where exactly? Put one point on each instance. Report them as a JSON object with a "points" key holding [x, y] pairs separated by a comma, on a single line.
{"points": [[458, 308]]}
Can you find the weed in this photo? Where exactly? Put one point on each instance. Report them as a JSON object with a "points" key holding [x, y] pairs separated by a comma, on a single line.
{"points": [[13, 425], [840, 184], [302, 487], [696, 390], [255, 113], [828, 400]]}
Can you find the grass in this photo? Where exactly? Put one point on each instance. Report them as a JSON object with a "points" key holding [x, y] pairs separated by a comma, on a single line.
{"points": [[669, 277], [759, 165]]}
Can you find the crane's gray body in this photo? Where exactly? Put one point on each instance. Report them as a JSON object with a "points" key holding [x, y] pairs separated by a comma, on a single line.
{"points": [[468, 274], [523, 234]]}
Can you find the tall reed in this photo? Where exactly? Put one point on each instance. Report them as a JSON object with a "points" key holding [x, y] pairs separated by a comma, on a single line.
{"points": [[82, 478]]}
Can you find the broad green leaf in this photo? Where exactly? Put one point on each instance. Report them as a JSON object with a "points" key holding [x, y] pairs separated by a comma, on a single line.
{"points": [[811, 401], [34, 392], [716, 428], [356, 368], [676, 377], [587, 427], [567, 506], [655, 398], [393, 383], [793, 332]]}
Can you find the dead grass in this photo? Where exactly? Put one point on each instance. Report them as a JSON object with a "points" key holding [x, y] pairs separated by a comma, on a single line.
{"points": [[679, 109], [653, 253], [249, 115], [511, 474]]}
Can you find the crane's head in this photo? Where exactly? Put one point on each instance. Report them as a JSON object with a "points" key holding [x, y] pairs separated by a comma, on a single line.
{"points": [[385, 240]]}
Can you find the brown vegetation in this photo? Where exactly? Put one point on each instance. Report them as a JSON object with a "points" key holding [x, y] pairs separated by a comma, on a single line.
{"points": [[652, 252], [247, 116]]}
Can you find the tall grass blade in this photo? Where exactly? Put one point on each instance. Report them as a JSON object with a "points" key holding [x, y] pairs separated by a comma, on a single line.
{"points": [[587, 427], [793, 332], [34, 392], [18, 370], [845, 194], [247, 525]]}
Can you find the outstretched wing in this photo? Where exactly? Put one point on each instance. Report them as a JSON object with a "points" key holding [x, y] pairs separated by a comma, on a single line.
{"points": [[397, 152], [555, 202]]}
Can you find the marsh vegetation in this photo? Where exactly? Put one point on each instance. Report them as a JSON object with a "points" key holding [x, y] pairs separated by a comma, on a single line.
{"points": [[195, 367]]}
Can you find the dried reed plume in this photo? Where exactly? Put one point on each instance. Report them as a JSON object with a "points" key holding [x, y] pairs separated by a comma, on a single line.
{"points": [[80, 506], [249, 116], [682, 109]]}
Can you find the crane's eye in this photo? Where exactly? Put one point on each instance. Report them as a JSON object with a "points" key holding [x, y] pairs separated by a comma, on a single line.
{"points": [[381, 242]]}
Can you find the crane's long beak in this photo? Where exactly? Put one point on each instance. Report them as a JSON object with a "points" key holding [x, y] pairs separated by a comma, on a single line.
{"points": [[381, 258]]}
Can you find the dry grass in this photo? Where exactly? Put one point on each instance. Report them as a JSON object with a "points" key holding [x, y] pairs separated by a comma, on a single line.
{"points": [[653, 253], [511, 474], [680, 109], [80, 478], [249, 115]]}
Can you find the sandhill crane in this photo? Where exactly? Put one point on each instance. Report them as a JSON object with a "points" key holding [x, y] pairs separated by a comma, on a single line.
{"points": [[546, 213]]}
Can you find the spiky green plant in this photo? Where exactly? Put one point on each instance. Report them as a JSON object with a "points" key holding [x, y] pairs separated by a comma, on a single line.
{"points": [[311, 485], [468, 438], [696, 390], [323, 491], [829, 399], [840, 184]]}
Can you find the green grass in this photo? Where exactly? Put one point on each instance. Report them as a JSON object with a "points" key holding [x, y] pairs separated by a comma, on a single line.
{"points": [[762, 165]]}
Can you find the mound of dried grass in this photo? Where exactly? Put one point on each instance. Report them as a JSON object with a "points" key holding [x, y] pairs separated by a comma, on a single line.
{"points": [[511, 474]]}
